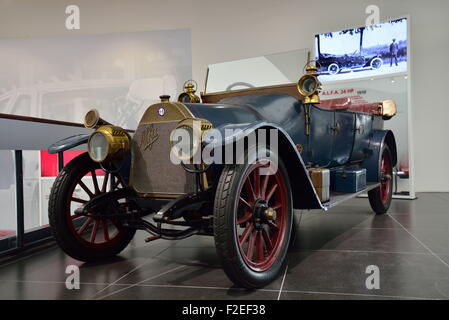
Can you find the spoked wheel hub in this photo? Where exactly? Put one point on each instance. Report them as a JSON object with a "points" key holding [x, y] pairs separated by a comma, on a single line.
{"points": [[95, 230], [262, 214]]}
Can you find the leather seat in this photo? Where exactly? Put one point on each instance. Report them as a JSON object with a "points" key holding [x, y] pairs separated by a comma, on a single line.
{"points": [[336, 104], [345, 104]]}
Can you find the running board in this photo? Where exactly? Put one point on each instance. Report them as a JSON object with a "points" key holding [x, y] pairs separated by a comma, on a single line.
{"points": [[337, 197]]}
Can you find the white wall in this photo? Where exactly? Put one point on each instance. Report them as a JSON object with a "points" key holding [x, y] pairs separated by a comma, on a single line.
{"points": [[233, 29]]}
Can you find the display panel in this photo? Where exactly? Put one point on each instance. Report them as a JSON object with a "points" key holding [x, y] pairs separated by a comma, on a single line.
{"points": [[363, 52], [119, 74], [63, 78]]}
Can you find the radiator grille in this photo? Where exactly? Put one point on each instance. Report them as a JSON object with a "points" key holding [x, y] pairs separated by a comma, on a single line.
{"points": [[152, 172]]}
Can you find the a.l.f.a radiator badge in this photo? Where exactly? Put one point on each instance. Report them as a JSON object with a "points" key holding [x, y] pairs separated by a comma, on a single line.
{"points": [[148, 138], [161, 111]]}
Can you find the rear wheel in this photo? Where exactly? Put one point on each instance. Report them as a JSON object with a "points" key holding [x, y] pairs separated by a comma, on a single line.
{"points": [[380, 198], [376, 63], [333, 68], [86, 238], [252, 222]]}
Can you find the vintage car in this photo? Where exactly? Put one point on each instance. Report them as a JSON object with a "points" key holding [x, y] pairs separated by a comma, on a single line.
{"points": [[333, 64], [127, 181]]}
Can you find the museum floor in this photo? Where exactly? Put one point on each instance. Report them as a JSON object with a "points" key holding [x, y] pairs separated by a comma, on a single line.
{"points": [[328, 260]]}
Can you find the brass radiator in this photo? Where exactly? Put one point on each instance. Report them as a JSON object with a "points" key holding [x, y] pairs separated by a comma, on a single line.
{"points": [[152, 172]]}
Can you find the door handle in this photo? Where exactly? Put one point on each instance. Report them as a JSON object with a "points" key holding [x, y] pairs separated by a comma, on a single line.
{"points": [[336, 128]]}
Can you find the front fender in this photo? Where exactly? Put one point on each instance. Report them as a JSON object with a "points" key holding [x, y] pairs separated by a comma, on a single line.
{"points": [[303, 192], [68, 143], [122, 166]]}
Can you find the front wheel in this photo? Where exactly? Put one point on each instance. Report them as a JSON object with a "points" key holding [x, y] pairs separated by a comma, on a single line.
{"points": [[376, 63], [92, 237], [253, 222], [380, 198]]}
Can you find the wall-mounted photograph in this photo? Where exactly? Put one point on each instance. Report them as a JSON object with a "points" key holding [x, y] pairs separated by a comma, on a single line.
{"points": [[362, 52]]}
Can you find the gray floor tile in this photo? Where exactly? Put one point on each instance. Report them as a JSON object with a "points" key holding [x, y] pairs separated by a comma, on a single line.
{"points": [[414, 220], [382, 221], [426, 204], [45, 291], [332, 232], [326, 261], [189, 293], [291, 295], [442, 195], [434, 238], [51, 266], [403, 275], [202, 276]]}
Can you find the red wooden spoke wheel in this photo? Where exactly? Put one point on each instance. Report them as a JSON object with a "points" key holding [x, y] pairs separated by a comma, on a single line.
{"points": [[91, 237], [262, 218], [94, 231], [253, 221], [386, 173], [380, 198]]}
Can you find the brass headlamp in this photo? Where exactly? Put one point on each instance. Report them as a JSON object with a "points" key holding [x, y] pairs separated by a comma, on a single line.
{"points": [[189, 96], [92, 120], [108, 143], [309, 86], [186, 138]]}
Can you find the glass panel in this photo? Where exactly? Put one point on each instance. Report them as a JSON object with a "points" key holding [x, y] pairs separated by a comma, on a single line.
{"points": [[31, 192], [78, 101], [376, 90], [63, 78], [268, 70], [8, 225]]}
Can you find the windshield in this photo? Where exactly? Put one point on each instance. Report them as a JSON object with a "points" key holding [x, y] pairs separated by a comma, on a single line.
{"points": [[269, 70]]}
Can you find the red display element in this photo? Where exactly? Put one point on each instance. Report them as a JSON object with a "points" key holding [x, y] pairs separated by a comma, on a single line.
{"points": [[49, 162], [404, 166], [4, 233]]}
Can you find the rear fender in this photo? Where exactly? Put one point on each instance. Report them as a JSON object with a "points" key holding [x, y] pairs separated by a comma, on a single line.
{"points": [[372, 162]]}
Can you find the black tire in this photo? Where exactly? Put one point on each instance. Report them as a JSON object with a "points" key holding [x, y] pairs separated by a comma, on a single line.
{"points": [[59, 213], [376, 63], [379, 199], [228, 248], [333, 68]]}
